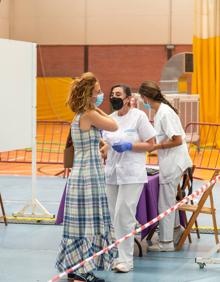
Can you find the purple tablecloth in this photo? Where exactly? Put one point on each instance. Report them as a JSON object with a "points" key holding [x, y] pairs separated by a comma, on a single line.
{"points": [[60, 214], [148, 202], [146, 209]]}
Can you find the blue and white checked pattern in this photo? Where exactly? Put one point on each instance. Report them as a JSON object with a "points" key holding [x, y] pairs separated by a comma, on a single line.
{"points": [[87, 223]]}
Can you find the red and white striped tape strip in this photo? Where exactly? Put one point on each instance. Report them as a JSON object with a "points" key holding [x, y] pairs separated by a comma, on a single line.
{"points": [[141, 228]]}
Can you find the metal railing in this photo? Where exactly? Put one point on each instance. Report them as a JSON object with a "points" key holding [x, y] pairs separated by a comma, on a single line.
{"points": [[51, 140], [204, 148]]}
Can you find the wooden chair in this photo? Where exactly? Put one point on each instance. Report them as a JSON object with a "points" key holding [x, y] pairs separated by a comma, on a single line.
{"points": [[185, 188], [196, 210], [3, 211]]}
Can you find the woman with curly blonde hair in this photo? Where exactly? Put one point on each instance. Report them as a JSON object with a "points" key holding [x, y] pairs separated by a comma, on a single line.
{"points": [[87, 223]]}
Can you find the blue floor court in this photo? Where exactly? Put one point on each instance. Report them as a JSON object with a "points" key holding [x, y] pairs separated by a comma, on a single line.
{"points": [[28, 251]]}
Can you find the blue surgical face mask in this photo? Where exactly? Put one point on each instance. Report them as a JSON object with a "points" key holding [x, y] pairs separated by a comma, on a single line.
{"points": [[99, 99], [147, 106]]}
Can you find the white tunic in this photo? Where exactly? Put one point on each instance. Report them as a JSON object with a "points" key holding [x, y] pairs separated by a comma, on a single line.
{"points": [[172, 161], [128, 167]]}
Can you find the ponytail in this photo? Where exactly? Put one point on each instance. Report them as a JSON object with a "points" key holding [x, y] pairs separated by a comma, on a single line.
{"points": [[151, 90], [165, 101]]}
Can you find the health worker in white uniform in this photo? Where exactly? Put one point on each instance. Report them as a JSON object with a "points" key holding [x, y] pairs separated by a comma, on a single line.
{"points": [[173, 157], [125, 168]]}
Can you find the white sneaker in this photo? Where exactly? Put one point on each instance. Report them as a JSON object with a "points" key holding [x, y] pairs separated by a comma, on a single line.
{"points": [[161, 247], [123, 267], [115, 263], [177, 234]]}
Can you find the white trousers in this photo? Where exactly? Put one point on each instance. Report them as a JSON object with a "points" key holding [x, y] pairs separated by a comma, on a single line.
{"points": [[167, 199], [123, 200]]}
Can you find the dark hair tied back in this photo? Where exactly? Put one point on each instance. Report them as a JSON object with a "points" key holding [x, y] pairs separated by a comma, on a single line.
{"points": [[151, 90]]}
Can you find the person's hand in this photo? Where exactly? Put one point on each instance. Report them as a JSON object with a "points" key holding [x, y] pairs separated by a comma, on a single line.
{"points": [[103, 148], [122, 147], [151, 148]]}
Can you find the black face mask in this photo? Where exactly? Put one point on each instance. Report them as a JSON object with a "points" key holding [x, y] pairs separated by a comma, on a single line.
{"points": [[117, 103]]}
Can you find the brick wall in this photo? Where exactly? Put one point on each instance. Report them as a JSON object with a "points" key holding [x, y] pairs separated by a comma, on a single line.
{"points": [[130, 64], [59, 60]]}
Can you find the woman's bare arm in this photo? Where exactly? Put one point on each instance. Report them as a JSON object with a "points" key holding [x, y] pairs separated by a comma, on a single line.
{"points": [[174, 142], [144, 146], [100, 121]]}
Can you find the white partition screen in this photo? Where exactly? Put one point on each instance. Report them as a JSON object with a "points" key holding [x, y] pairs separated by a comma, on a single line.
{"points": [[17, 93]]}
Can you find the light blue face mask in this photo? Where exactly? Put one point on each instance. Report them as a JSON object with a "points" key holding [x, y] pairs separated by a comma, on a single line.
{"points": [[147, 106], [99, 99]]}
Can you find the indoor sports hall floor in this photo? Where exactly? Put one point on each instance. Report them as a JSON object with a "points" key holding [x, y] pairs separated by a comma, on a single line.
{"points": [[28, 251]]}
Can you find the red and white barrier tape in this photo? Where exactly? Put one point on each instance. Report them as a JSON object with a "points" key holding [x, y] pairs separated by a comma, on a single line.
{"points": [[141, 228]]}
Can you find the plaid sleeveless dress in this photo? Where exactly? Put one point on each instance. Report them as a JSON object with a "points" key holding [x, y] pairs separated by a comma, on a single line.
{"points": [[87, 224]]}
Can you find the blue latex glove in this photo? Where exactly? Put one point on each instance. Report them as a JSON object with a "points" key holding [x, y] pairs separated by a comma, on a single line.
{"points": [[122, 147]]}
